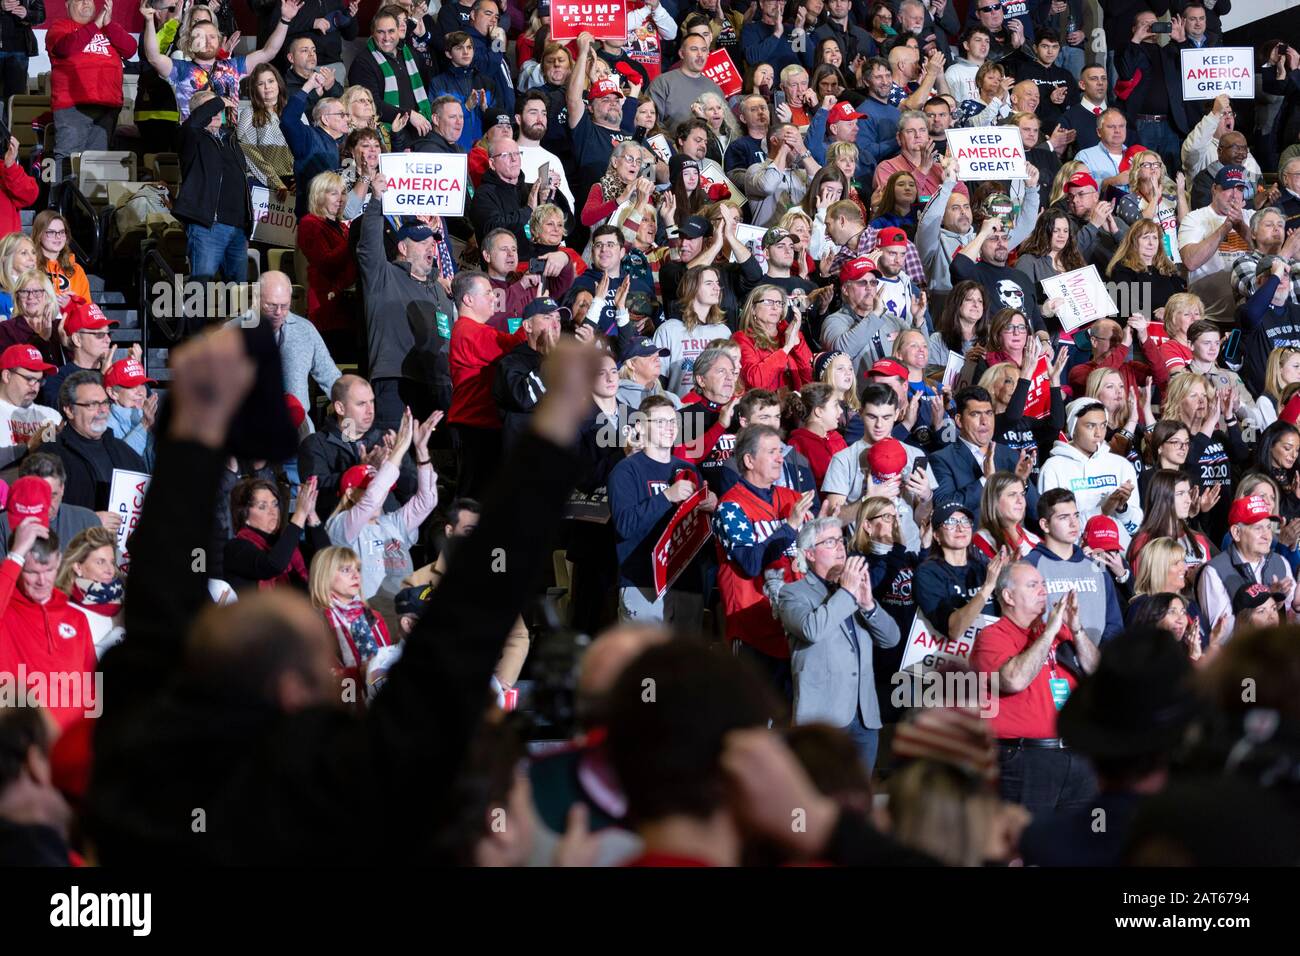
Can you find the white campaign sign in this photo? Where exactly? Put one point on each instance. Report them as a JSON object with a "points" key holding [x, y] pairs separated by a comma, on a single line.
{"points": [[929, 647], [424, 184], [1086, 297], [125, 499], [988, 152], [1209, 71], [274, 220], [752, 237]]}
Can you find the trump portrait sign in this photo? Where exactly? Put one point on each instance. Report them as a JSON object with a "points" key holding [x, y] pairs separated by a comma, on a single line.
{"points": [[424, 184]]}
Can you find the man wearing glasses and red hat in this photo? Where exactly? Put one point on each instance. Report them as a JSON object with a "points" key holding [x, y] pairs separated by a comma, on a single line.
{"points": [[859, 329], [86, 329], [23, 423]]}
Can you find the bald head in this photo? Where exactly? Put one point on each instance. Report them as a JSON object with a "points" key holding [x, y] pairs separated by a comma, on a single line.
{"points": [[274, 293], [1025, 96], [606, 659], [271, 646]]}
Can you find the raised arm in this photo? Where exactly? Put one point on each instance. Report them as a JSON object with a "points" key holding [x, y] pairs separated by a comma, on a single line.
{"points": [[288, 10], [149, 40], [577, 79]]}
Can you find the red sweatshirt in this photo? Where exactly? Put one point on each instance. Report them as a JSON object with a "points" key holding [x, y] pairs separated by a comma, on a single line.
{"points": [[474, 351], [18, 190], [47, 640], [86, 63], [773, 369], [819, 451]]}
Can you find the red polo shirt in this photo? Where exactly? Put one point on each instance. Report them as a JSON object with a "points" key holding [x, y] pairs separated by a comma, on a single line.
{"points": [[1031, 712]]}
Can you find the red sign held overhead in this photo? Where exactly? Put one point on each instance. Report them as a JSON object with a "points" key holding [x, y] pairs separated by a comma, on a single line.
{"points": [[721, 70], [603, 19]]}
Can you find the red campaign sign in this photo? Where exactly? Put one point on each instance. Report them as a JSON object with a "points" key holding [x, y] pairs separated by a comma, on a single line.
{"points": [[603, 19], [685, 535], [721, 70]]}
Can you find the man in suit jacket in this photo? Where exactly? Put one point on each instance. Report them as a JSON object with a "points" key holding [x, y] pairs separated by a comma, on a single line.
{"points": [[832, 621], [962, 467]]}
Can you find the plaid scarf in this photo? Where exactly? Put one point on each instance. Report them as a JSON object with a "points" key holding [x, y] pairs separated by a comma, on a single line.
{"points": [[391, 96]]}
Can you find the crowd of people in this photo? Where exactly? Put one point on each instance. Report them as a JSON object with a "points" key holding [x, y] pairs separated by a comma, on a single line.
{"points": [[747, 392]]}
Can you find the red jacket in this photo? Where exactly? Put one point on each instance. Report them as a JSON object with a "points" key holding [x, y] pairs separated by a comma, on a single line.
{"points": [[1135, 372], [46, 640], [18, 190], [331, 269], [819, 451], [773, 368], [473, 355], [86, 63]]}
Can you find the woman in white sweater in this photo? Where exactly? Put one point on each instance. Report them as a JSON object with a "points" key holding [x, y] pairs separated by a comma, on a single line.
{"points": [[384, 540]]}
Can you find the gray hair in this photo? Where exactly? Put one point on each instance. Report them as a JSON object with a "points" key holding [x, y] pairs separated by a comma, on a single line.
{"points": [[812, 529], [1288, 164], [710, 357], [747, 442], [917, 4], [322, 104], [1004, 579], [1256, 219], [912, 115]]}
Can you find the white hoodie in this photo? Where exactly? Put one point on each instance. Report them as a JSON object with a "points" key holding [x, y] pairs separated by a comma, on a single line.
{"points": [[1093, 478]]}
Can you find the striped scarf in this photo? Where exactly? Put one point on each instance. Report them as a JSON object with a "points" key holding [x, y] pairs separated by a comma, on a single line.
{"points": [[391, 96]]}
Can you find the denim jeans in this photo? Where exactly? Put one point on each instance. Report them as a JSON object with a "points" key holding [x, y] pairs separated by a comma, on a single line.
{"points": [[1161, 138], [1070, 59], [218, 248], [1042, 780], [866, 739]]}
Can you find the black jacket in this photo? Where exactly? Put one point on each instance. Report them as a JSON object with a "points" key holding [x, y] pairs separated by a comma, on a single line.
{"points": [[204, 161], [275, 786], [517, 390], [432, 351], [326, 454], [16, 35], [1136, 56], [499, 205], [329, 45], [81, 487], [246, 565]]}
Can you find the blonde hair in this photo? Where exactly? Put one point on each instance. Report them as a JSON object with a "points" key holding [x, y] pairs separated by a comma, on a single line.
{"points": [[320, 184], [868, 509], [41, 276], [83, 544], [9, 247], [1135, 170], [992, 376], [324, 566], [836, 151], [1092, 389], [901, 338], [1158, 555], [1179, 303], [940, 810], [1273, 384], [353, 93], [850, 397], [1063, 176], [1180, 386]]}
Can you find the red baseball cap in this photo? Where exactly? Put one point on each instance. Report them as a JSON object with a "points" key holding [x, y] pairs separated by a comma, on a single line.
{"points": [[29, 496], [358, 476], [25, 356], [1101, 533], [1129, 153], [858, 268], [891, 367], [128, 373], [843, 111], [81, 316], [886, 459], [1080, 180], [891, 238], [605, 87], [1250, 510]]}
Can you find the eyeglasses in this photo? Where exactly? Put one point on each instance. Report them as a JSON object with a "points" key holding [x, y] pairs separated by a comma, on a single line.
{"points": [[605, 245], [1148, 165], [275, 307], [97, 405], [332, 115], [101, 334], [771, 302], [57, 233], [514, 155], [1017, 328], [30, 379], [957, 522], [989, 9], [836, 543], [31, 292]]}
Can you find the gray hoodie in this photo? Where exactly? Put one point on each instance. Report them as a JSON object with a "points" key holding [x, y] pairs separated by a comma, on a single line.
{"points": [[938, 245]]}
